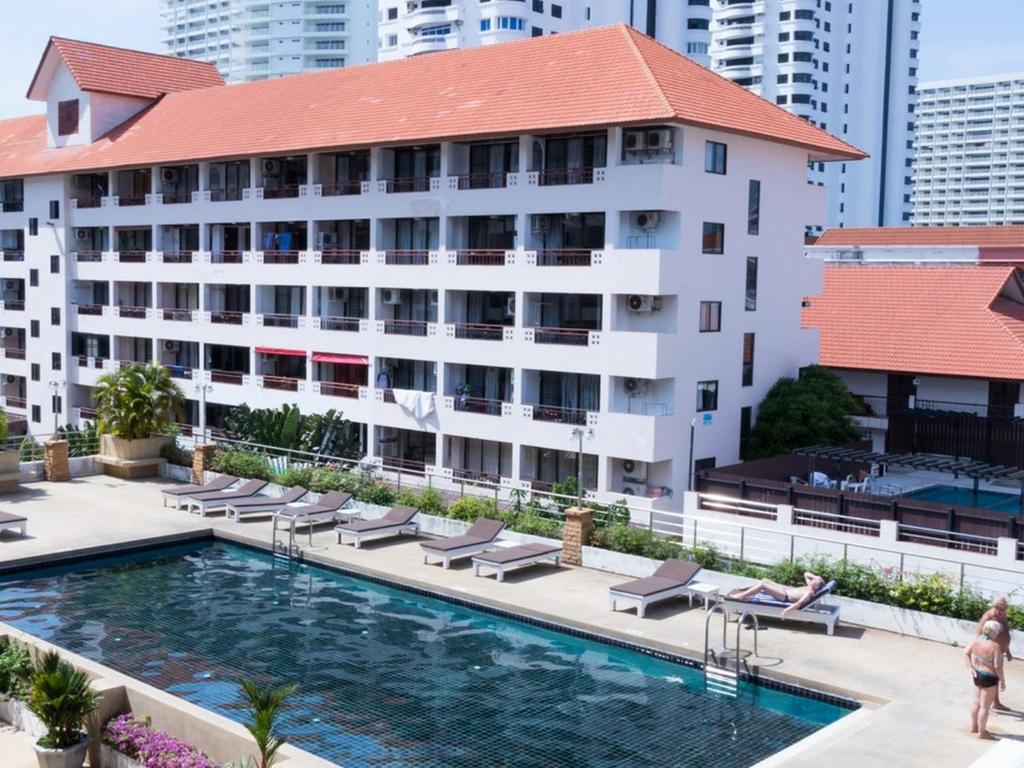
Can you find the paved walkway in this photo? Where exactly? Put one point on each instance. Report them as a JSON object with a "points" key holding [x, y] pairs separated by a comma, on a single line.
{"points": [[917, 692]]}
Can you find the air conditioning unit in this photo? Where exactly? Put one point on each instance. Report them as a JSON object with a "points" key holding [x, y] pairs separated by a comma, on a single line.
{"points": [[8, 331], [10, 379], [170, 175], [272, 167], [632, 141], [81, 234], [337, 294], [640, 304], [172, 346], [390, 296], [10, 285], [658, 140], [645, 221], [325, 238], [634, 387], [510, 306], [540, 223], [572, 219], [634, 489], [634, 472]]}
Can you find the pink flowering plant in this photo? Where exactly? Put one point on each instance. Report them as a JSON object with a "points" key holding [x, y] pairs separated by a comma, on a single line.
{"points": [[133, 737]]}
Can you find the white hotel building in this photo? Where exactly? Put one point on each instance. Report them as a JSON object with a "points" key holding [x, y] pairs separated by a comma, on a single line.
{"points": [[469, 254]]}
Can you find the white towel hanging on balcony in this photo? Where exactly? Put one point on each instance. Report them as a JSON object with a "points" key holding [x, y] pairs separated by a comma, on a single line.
{"points": [[416, 403]]}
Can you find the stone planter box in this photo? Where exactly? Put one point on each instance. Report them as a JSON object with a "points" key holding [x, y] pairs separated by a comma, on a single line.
{"points": [[10, 471], [174, 472], [129, 459], [111, 758], [17, 714]]}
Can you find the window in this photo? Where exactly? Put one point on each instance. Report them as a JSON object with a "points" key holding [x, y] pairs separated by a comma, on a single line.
{"points": [[713, 237], [67, 117], [714, 157], [696, 23], [54, 264], [754, 207], [536, 32], [702, 464], [33, 278], [746, 417], [54, 315], [37, 415], [485, 25], [556, 11], [33, 329], [392, 41], [751, 295], [748, 359], [437, 30], [55, 361], [34, 371], [710, 316], [511, 22], [33, 227], [54, 210], [392, 14], [538, 6], [707, 396]]}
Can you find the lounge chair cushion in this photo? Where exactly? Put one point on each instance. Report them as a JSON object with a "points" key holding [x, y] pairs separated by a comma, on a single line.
{"points": [[677, 570], [219, 483], [476, 535], [7, 518], [645, 587], [485, 529], [399, 515], [761, 598], [244, 491], [506, 555], [329, 502], [294, 493]]}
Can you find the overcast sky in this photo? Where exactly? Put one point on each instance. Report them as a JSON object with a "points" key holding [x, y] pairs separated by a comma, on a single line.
{"points": [[958, 39]]}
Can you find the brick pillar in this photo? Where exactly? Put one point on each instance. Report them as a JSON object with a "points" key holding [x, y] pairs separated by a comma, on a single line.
{"points": [[202, 458], [55, 461], [578, 525]]}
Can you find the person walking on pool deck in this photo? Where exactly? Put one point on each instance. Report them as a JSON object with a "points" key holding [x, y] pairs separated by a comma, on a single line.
{"points": [[798, 596], [997, 613], [985, 660]]}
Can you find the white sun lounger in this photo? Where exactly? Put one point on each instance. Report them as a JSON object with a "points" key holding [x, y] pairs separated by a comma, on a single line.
{"points": [[213, 500], [479, 537], [9, 522], [762, 605], [509, 558], [671, 579], [396, 521], [264, 505], [327, 509], [179, 494]]}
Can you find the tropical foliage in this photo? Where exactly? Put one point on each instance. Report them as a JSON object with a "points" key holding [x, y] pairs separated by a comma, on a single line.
{"points": [[327, 434], [30, 449], [82, 441], [4, 432], [61, 697], [15, 669], [264, 706], [137, 401]]}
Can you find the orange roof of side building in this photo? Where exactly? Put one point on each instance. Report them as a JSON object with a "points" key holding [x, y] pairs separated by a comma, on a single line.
{"points": [[963, 320], [980, 237], [588, 79]]}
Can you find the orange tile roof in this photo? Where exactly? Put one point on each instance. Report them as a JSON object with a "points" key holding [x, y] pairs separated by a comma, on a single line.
{"points": [[926, 236], [941, 320], [592, 78], [122, 71]]}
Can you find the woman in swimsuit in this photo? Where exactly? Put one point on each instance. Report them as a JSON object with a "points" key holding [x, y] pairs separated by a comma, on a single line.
{"points": [[985, 660], [798, 596]]}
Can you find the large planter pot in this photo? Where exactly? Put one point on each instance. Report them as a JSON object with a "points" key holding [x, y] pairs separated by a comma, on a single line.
{"points": [[133, 450], [72, 757], [17, 714], [111, 758]]}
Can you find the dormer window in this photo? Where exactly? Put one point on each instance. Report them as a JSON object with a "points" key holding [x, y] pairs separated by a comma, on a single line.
{"points": [[67, 117]]}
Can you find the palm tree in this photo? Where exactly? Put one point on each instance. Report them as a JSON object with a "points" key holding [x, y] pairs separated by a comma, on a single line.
{"points": [[138, 401], [263, 705]]}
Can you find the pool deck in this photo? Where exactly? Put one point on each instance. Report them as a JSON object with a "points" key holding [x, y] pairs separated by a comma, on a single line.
{"points": [[917, 692]]}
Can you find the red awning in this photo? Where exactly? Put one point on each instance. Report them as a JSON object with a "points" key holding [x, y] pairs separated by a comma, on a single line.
{"points": [[276, 351], [331, 357]]}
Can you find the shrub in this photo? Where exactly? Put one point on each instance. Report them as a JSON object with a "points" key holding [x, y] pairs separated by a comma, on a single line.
{"points": [[4, 432], [295, 476], [471, 508], [133, 737], [532, 524], [15, 669], [376, 493], [333, 479], [176, 455], [243, 464], [428, 501], [30, 449], [635, 541]]}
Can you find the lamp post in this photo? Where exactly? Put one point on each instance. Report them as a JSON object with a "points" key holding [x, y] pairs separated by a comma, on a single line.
{"points": [[202, 387], [577, 434], [55, 388], [689, 463]]}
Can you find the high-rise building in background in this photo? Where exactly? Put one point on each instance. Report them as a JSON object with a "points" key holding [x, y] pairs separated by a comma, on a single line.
{"points": [[848, 66], [969, 152], [256, 39]]}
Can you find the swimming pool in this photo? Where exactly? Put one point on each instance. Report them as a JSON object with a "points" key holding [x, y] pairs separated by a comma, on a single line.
{"points": [[965, 497], [389, 677]]}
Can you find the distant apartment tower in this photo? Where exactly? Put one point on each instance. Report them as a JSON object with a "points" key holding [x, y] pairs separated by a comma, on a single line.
{"points": [[968, 165], [412, 27], [257, 39], [848, 66]]}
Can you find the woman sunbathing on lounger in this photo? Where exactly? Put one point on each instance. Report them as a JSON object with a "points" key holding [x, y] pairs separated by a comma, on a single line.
{"points": [[798, 596]]}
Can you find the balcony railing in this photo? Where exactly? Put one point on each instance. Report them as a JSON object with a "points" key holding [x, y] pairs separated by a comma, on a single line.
{"points": [[227, 317], [18, 305], [224, 195], [132, 199], [564, 257], [16, 402], [280, 257], [131, 257], [137, 313], [86, 412], [278, 193], [339, 389], [177, 315], [341, 188], [88, 256], [559, 414], [227, 377], [177, 257], [486, 180], [177, 197], [85, 361], [179, 371], [13, 353], [406, 327], [410, 256], [340, 256], [480, 257], [87, 201], [557, 176], [480, 331], [14, 255], [329, 323], [407, 184], [478, 405], [280, 321], [12, 206], [90, 309], [226, 257], [576, 337], [286, 383]]}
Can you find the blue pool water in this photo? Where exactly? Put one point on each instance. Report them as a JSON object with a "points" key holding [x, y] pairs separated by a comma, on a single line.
{"points": [[391, 678], [965, 497]]}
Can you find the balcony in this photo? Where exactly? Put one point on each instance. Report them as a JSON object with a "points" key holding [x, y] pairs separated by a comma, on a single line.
{"points": [[228, 377], [574, 337], [12, 353], [276, 320], [338, 188], [481, 257], [400, 184], [407, 257], [15, 305], [227, 257], [177, 257], [132, 313], [348, 324], [280, 257], [479, 405], [558, 414], [13, 255], [89, 309], [488, 180], [481, 331], [282, 383], [406, 327], [341, 256], [228, 194], [551, 177], [87, 256], [564, 257], [179, 371], [227, 317], [282, 192], [131, 257], [338, 389]]}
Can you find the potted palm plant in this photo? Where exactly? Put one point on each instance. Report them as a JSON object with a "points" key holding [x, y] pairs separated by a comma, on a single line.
{"points": [[134, 406], [61, 697]]}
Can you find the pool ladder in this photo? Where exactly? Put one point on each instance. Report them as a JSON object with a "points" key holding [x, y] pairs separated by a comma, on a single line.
{"points": [[718, 677]]}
